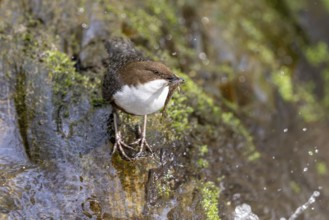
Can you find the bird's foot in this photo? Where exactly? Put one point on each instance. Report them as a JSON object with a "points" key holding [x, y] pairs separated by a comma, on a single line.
{"points": [[120, 146], [142, 143]]}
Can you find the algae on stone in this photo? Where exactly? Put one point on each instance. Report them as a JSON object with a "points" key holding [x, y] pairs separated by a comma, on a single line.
{"points": [[210, 195]]}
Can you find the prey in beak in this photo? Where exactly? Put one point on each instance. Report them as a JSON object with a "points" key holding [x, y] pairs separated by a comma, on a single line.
{"points": [[173, 83]]}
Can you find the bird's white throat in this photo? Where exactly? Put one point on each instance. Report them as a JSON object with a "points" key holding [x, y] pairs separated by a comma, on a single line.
{"points": [[144, 98]]}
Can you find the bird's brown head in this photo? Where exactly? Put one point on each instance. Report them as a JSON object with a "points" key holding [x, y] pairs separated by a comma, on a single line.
{"points": [[145, 71]]}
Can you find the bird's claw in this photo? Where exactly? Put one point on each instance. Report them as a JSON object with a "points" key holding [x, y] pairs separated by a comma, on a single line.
{"points": [[142, 143], [120, 145]]}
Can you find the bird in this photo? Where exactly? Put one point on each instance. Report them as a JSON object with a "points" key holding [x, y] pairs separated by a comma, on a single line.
{"points": [[137, 86]]}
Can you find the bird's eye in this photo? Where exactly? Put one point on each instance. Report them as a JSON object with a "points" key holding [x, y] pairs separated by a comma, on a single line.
{"points": [[156, 72]]}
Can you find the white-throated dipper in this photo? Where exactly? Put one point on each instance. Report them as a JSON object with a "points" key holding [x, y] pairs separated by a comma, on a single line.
{"points": [[137, 86]]}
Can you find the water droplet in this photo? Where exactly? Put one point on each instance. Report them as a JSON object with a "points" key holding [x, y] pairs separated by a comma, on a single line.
{"points": [[81, 10], [202, 56], [285, 130], [174, 53], [205, 20], [310, 153], [236, 196], [273, 157], [304, 129], [265, 188], [305, 169], [316, 193], [311, 200], [84, 25]]}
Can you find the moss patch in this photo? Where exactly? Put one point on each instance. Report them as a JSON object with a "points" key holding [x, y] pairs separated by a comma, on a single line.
{"points": [[64, 77], [317, 54], [282, 79], [321, 168], [210, 193]]}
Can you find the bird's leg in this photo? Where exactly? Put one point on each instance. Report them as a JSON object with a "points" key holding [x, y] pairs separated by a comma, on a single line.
{"points": [[119, 144], [142, 140]]}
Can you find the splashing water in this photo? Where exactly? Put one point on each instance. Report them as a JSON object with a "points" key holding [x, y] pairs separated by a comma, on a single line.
{"points": [[244, 212], [302, 208]]}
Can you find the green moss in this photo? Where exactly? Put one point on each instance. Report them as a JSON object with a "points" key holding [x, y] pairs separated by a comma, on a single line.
{"points": [[326, 4], [60, 66], [201, 102], [309, 108], [295, 187], [146, 25], [296, 5], [321, 168], [162, 9], [178, 113], [302, 96], [63, 75], [282, 79], [202, 163], [203, 150], [163, 190], [318, 53], [254, 155], [249, 27], [210, 193], [20, 104], [163, 185], [146, 21]]}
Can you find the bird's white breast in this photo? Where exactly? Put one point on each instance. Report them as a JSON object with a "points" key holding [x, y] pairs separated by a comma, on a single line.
{"points": [[144, 98]]}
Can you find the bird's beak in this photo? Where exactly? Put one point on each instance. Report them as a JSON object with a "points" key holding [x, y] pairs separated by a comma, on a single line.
{"points": [[176, 80]]}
